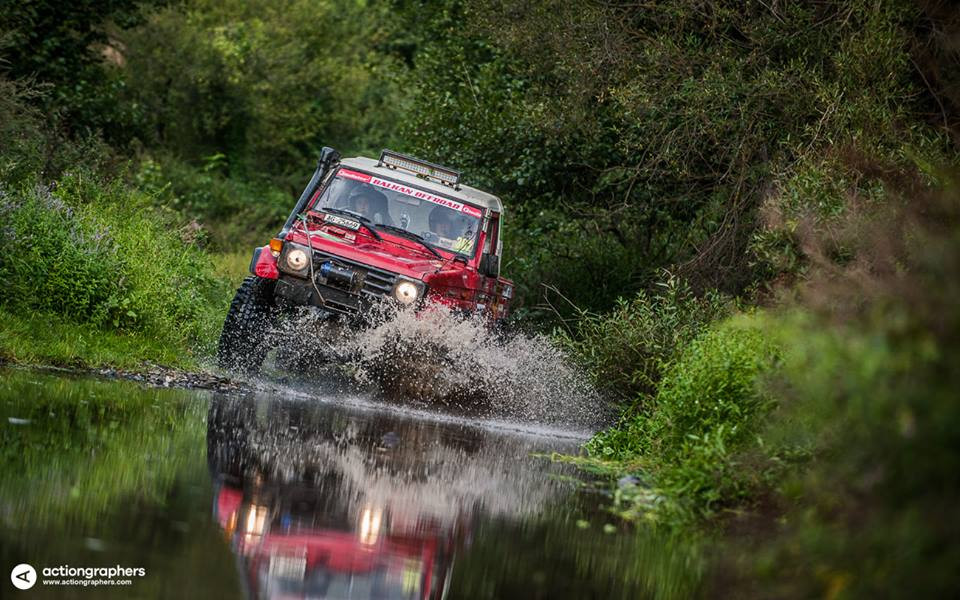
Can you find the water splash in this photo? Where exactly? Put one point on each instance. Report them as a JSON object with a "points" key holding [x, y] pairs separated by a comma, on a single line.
{"points": [[435, 356]]}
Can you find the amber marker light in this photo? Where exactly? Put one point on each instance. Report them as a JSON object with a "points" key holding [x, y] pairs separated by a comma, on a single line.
{"points": [[276, 245]]}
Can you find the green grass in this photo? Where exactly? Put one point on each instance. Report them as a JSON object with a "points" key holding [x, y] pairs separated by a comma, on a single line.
{"points": [[235, 265], [128, 283], [48, 340]]}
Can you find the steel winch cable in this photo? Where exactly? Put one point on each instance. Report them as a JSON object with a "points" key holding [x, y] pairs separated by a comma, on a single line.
{"points": [[313, 279]]}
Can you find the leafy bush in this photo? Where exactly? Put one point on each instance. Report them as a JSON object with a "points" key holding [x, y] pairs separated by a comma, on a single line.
{"points": [[32, 141], [55, 260], [63, 47], [21, 129], [264, 84], [627, 349], [95, 251], [875, 405], [631, 137], [867, 388], [711, 388], [230, 213], [689, 440]]}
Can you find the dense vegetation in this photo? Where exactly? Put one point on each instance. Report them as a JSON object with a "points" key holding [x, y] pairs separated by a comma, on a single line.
{"points": [[740, 218]]}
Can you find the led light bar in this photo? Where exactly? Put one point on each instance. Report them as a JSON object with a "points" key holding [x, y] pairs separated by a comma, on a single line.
{"points": [[395, 160]]}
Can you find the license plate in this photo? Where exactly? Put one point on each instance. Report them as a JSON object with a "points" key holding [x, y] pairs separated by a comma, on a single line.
{"points": [[338, 220]]}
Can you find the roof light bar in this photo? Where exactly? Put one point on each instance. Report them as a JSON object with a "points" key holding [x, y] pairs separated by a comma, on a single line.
{"points": [[395, 160]]}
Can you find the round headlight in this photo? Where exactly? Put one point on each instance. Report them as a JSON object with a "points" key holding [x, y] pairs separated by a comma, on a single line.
{"points": [[406, 292], [297, 259]]}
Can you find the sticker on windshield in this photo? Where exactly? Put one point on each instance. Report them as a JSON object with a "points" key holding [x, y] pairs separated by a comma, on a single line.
{"points": [[354, 175], [409, 191]]}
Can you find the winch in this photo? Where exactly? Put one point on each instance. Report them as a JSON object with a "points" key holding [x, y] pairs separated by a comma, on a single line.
{"points": [[340, 276]]}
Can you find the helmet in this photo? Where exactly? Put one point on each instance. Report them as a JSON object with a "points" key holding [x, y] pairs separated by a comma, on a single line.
{"points": [[377, 200], [439, 215]]}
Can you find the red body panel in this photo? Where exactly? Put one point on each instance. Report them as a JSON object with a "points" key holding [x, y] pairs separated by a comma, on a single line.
{"points": [[450, 282], [265, 264]]}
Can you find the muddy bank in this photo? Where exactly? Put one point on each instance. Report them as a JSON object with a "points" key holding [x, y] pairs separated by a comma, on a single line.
{"points": [[150, 374]]}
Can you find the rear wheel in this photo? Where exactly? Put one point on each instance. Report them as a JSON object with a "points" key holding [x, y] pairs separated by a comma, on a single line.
{"points": [[243, 341]]}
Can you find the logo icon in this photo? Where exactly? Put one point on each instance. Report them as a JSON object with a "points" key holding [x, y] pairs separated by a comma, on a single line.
{"points": [[23, 576]]}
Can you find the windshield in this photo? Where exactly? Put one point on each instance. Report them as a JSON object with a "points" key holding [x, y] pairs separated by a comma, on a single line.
{"points": [[442, 222]]}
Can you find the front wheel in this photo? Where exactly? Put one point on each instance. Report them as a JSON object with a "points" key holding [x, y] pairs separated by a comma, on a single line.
{"points": [[243, 342]]}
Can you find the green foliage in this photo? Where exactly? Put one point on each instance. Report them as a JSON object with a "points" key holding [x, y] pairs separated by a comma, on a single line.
{"points": [[656, 130], [868, 388], [627, 349], [234, 213], [57, 260], [263, 83], [21, 129], [32, 145], [62, 45], [859, 447], [94, 251], [711, 389], [698, 425]]}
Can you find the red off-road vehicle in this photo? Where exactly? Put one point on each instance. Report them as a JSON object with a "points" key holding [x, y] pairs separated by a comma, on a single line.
{"points": [[366, 232]]}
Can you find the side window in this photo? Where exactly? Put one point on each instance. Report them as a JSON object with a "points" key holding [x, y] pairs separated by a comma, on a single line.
{"points": [[491, 244]]}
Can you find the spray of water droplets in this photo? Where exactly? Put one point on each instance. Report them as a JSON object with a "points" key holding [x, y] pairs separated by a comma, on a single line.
{"points": [[436, 357]]}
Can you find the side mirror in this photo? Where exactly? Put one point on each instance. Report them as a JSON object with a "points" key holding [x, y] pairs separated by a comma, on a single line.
{"points": [[490, 265]]}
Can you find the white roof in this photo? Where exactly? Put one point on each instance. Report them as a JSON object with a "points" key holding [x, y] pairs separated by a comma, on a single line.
{"points": [[465, 193]]}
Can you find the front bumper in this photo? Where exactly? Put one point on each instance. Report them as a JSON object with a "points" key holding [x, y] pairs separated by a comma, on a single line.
{"points": [[377, 286], [300, 292]]}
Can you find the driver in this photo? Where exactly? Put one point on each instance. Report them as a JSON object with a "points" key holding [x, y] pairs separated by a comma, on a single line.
{"points": [[371, 204]]}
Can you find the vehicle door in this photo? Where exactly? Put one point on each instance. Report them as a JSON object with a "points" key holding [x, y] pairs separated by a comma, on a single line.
{"points": [[488, 300]]}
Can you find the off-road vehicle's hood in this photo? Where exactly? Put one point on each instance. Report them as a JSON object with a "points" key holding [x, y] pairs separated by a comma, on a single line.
{"points": [[412, 264], [400, 258]]}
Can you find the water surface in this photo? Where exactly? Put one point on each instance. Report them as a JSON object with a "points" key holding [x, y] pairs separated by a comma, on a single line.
{"points": [[282, 494]]}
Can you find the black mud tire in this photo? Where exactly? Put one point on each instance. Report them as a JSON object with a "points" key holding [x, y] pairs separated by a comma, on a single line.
{"points": [[244, 340]]}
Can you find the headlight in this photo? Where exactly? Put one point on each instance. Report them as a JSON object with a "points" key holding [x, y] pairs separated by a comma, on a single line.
{"points": [[296, 259], [406, 292]]}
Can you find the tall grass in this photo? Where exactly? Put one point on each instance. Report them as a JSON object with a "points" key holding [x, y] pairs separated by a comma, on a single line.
{"points": [[92, 251], [628, 348]]}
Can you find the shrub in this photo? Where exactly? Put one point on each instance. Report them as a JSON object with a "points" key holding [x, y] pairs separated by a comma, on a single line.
{"points": [[627, 349], [95, 251], [233, 213], [264, 84], [57, 260], [711, 389], [699, 423], [867, 387]]}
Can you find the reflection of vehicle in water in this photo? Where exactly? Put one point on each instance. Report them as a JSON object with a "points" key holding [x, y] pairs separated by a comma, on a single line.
{"points": [[288, 552], [322, 502], [298, 523], [318, 501]]}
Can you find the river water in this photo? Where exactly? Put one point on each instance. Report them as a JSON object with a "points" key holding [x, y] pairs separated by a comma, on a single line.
{"points": [[283, 493]]}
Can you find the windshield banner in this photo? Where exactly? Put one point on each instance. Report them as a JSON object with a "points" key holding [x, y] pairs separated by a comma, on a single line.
{"points": [[409, 191]]}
